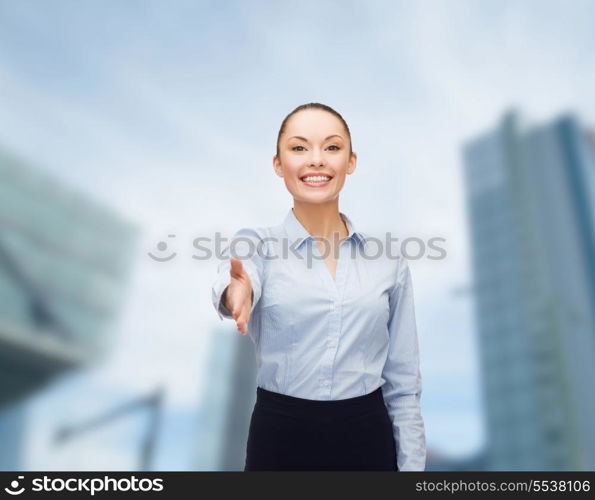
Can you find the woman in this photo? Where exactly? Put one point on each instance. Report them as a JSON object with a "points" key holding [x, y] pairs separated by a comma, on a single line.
{"points": [[333, 323]]}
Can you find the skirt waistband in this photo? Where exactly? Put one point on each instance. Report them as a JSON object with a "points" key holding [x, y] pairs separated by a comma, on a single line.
{"points": [[312, 408]]}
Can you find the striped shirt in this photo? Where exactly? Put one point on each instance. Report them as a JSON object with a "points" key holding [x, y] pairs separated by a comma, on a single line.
{"points": [[324, 338]]}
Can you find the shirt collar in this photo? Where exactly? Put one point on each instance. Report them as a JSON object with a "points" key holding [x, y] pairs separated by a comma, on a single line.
{"points": [[296, 231]]}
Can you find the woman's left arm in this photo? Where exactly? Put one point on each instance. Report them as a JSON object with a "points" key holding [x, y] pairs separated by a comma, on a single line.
{"points": [[403, 386]]}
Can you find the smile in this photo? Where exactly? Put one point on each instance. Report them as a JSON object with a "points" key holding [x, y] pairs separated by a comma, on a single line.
{"points": [[316, 180]]}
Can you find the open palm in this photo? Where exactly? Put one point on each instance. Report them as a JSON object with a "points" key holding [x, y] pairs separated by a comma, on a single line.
{"points": [[238, 295]]}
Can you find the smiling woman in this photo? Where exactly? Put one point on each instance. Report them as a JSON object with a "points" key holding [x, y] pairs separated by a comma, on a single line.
{"points": [[338, 362], [311, 157]]}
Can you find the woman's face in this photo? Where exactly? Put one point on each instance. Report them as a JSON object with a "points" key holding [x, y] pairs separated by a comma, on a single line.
{"points": [[314, 143]]}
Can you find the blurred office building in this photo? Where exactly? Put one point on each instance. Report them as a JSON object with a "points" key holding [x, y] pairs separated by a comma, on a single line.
{"points": [[531, 205], [228, 401], [64, 263]]}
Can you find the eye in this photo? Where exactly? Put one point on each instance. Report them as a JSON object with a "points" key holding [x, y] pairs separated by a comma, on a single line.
{"points": [[334, 146], [294, 148]]}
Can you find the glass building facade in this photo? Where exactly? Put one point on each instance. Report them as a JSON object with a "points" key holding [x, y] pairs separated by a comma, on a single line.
{"points": [[64, 268], [530, 199]]}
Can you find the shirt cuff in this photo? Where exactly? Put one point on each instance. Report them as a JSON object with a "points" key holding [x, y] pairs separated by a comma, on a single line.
{"points": [[221, 283]]}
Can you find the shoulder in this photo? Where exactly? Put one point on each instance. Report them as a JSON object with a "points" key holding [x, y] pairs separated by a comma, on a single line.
{"points": [[403, 272], [252, 240], [252, 233], [257, 233], [382, 248]]}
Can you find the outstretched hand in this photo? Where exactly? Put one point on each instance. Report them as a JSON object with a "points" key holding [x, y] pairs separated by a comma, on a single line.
{"points": [[238, 295]]}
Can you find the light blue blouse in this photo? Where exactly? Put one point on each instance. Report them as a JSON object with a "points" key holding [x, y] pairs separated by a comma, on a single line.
{"points": [[322, 338]]}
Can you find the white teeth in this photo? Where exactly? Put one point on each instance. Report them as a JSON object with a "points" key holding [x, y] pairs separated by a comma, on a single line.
{"points": [[317, 178]]}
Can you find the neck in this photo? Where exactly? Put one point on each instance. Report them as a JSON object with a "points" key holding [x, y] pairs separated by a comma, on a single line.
{"points": [[321, 219]]}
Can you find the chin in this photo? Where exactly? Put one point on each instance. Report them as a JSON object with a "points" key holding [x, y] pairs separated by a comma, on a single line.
{"points": [[315, 200]]}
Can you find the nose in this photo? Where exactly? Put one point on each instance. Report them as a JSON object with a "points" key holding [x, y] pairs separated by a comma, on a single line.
{"points": [[316, 158]]}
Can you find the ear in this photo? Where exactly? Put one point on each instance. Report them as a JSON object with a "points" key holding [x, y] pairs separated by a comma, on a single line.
{"points": [[352, 163], [277, 166]]}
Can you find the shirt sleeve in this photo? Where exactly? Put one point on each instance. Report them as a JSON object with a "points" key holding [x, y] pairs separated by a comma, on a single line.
{"points": [[403, 384], [247, 246]]}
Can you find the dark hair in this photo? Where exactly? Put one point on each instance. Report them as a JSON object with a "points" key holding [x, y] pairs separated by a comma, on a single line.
{"points": [[313, 105]]}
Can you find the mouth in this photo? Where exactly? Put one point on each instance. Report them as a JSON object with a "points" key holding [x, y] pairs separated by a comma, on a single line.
{"points": [[316, 180]]}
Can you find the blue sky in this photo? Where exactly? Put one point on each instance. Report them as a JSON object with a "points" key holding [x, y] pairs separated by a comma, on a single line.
{"points": [[168, 112]]}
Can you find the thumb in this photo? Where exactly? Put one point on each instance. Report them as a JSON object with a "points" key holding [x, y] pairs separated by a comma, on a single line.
{"points": [[237, 269]]}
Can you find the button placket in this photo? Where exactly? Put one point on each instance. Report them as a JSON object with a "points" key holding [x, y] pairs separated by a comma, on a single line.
{"points": [[333, 337], [326, 368]]}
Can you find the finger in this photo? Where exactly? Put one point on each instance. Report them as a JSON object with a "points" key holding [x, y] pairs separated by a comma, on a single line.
{"points": [[238, 316], [236, 312], [243, 320], [236, 300], [242, 325]]}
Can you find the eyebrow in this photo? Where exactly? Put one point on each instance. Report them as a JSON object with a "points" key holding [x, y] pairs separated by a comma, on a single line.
{"points": [[306, 140]]}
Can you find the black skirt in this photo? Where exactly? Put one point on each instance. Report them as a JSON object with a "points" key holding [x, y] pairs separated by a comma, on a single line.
{"points": [[289, 433]]}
